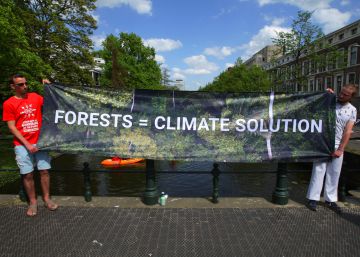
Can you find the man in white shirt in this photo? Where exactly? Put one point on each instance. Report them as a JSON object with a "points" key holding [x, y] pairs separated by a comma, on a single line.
{"points": [[345, 120]]}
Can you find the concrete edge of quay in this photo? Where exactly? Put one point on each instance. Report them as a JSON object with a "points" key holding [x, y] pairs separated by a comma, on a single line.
{"points": [[352, 201]]}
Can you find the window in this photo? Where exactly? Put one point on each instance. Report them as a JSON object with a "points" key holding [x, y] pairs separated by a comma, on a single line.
{"points": [[353, 55], [341, 36], [328, 83], [311, 85], [330, 40], [287, 73], [351, 78], [331, 61], [312, 67], [320, 84], [321, 64], [298, 87], [340, 58], [305, 88], [320, 45], [353, 31], [338, 83], [305, 68]]}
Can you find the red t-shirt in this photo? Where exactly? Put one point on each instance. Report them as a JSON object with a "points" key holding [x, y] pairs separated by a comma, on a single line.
{"points": [[27, 116]]}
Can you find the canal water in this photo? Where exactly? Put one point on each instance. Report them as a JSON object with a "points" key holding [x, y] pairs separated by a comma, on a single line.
{"points": [[177, 179]]}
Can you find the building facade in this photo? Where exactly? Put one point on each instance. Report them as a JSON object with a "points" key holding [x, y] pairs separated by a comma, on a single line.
{"points": [[263, 56], [332, 69], [97, 70]]}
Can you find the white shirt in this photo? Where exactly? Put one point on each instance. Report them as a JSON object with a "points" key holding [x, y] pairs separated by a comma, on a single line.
{"points": [[344, 114]]}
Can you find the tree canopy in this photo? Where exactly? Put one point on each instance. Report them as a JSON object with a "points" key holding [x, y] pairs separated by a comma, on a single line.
{"points": [[303, 39], [129, 64], [16, 54], [240, 78], [58, 32]]}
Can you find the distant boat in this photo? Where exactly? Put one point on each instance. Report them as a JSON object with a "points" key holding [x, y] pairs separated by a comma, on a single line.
{"points": [[117, 162]]}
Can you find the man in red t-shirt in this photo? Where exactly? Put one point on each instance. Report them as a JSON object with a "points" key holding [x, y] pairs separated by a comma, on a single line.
{"points": [[22, 112]]}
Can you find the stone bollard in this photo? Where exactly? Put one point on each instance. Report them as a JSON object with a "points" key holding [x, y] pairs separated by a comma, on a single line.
{"points": [[87, 182], [281, 193], [151, 194], [215, 172]]}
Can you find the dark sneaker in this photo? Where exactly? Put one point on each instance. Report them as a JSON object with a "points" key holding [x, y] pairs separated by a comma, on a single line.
{"points": [[312, 205], [333, 206]]}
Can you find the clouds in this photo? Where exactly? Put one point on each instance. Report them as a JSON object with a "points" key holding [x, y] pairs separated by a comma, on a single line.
{"points": [[140, 6], [327, 17], [177, 74], [159, 58], [219, 52], [331, 19], [198, 64], [97, 40], [262, 38], [227, 29], [308, 5], [162, 44]]}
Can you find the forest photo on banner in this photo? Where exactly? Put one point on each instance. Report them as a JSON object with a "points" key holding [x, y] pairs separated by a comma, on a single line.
{"points": [[184, 125]]}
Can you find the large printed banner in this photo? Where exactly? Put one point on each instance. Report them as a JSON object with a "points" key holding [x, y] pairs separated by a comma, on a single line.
{"points": [[198, 126]]}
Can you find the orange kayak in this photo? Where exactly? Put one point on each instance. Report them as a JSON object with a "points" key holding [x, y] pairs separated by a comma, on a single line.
{"points": [[117, 162]]}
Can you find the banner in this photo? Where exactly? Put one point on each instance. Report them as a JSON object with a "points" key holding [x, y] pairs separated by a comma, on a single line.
{"points": [[181, 125]]}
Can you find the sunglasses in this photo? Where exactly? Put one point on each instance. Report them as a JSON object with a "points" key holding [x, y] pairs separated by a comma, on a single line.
{"points": [[20, 84]]}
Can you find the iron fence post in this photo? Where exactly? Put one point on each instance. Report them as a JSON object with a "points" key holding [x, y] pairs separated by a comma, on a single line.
{"points": [[215, 172], [281, 193], [87, 182], [151, 194]]}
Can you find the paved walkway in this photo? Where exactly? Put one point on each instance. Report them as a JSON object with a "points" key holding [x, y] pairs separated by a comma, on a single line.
{"points": [[237, 226], [108, 227]]}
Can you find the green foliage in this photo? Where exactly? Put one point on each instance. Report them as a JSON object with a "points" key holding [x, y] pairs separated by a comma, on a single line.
{"points": [[129, 64], [165, 77], [303, 35], [302, 40], [7, 160], [206, 142], [16, 55], [240, 78], [58, 33]]}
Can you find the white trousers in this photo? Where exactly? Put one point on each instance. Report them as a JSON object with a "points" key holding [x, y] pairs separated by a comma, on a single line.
{"points": [[332, 170]]}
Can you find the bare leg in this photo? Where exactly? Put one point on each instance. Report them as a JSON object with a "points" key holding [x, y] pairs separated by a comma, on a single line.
{"points": [[45, 187], [45, 184], [29, 185]]}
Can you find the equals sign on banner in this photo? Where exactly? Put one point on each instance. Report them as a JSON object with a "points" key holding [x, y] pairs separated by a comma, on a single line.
{"points": [[143, 123]]}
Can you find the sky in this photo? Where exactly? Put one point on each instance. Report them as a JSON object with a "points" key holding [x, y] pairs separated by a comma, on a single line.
{"points": [[196, 40]]}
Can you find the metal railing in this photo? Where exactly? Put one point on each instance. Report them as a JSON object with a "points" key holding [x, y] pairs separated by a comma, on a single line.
{"points": [[151, 194]]}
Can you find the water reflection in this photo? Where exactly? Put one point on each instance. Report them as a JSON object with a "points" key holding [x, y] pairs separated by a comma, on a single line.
{"points": [[176, 178]]}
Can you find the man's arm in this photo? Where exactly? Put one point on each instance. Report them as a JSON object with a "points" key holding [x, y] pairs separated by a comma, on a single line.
{"points": [[45, 81], [344, 139], [17, 134]]}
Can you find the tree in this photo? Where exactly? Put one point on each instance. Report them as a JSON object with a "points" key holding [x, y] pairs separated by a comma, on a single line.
{"points": [[165, 77], [58, 32], [302, 40], [15, 52], [129, 64], [240, 78]]}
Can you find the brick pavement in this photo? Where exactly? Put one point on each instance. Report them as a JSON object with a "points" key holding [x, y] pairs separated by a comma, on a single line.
{"points": [[153, 232]]}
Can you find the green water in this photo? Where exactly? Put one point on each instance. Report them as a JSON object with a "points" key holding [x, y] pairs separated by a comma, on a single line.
{"points": [[182, 179]]}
